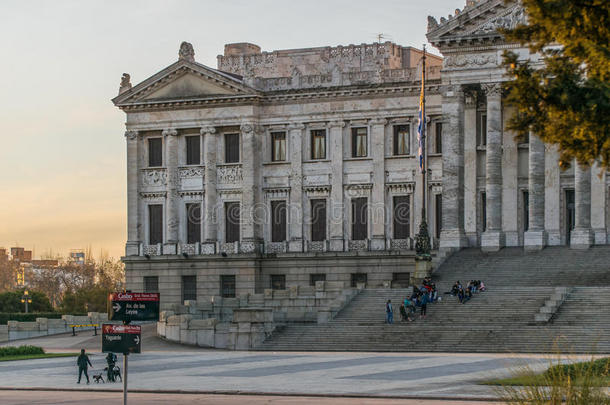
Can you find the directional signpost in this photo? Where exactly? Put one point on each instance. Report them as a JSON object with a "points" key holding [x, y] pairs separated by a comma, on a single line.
{"points": [[128, 306], [121, 338]]}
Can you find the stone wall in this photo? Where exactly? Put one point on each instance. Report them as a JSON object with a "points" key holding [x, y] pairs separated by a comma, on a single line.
{"points": [[244, 323], [15, 330], [253, 273]]}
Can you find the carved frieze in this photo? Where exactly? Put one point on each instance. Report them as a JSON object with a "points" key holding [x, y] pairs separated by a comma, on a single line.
{"points": [[191, 172], [471, 61], [510, 20], [229, 174], [154, 177]]}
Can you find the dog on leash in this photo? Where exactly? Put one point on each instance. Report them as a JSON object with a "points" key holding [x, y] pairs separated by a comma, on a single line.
{"points": [[116, 373], [98, 377]]}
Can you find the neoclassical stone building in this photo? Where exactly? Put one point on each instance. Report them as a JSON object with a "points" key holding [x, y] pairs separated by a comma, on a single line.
{"points": [[289, 167]]}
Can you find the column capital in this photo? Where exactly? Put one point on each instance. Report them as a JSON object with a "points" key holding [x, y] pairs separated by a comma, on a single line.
{"points": [[169, 132], [378, 121], [471, 98], [247, 127], [296, 125], [337, 124], [207, 130], [492, 89], [131, 135]]}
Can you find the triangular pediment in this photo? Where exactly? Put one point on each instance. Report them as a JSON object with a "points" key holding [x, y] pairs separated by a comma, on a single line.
{"points": [[479, 20], [184, 80]]}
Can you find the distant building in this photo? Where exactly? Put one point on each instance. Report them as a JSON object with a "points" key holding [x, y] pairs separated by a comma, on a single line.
{"points": [[21, 255], [77, 257]]}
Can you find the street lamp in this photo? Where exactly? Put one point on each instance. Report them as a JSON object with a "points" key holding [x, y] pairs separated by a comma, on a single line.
{"points": [[25, 298]]}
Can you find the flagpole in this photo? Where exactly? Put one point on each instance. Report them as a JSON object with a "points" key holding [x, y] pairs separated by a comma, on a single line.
{"points": [[422, 240]]}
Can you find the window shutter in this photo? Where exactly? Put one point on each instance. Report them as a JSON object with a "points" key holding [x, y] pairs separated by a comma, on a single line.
{"points": [[359, 218], [155, 152], [231, 148], [318, 220], [155, 224], [232, 221], [278, 221], [402, 216], [193, 218], [193, 150]]}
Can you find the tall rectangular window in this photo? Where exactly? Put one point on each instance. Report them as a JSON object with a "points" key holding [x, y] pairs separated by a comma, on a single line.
{"points": [[359, 142], [402, 216], [278, 221], [526, 209], [483, 211], [401, 140], [227, 286], [318, 220], [438, 137], [231, 148], [359, 218], [193, 222], [278, 282], [189, 288], [151, 284], [155, 152], [278, 146], [155, 224], [193, 150], [314, 278], [438, 214], [232, 221], [318, 144], [481, 129]]}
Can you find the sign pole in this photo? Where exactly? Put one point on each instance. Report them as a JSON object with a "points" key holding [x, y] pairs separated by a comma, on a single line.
{"points": [[125, 361]]}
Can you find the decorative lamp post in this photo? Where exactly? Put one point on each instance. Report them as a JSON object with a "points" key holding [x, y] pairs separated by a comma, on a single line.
{"points": [[26, 299]]}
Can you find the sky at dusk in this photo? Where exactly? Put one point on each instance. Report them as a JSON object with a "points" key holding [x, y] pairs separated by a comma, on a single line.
{"points": [[62, 156]]}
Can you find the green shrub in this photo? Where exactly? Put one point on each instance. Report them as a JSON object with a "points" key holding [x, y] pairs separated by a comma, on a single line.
{"points": [[598, 368], [29, 317], [20, 351]]}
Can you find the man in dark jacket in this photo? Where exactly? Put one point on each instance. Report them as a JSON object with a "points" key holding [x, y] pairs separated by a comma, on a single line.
{"points": [[82, 362], [111, 360]]}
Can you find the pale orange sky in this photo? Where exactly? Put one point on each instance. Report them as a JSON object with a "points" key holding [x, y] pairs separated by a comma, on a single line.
{"points": [[62, 155]]}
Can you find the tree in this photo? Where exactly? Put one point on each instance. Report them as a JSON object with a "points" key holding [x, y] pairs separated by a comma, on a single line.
{"points": [[11, 302], [566, 100]]}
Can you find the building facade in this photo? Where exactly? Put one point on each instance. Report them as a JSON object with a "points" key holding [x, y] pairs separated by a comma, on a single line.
{"points": [[289, 167]]}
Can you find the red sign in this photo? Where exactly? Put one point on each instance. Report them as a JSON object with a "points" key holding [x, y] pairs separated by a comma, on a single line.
{"points": [[133, 329], [129, 296]]}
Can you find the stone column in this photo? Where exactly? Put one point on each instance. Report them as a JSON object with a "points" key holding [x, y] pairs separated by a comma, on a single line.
{"points": [[378, 191], [493, 237], [582, 235], [470, 166], [251, 210], [295, 212], [132, 247], [598, 204], [452, 234], [552, 196], [535, 237], [210, 201], [335, 212], [172, 199]]}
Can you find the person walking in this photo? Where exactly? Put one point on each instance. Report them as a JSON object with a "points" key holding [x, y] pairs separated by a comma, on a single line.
{"points": [[111, 360], [82, 362], [424, 306], [389, 312]]}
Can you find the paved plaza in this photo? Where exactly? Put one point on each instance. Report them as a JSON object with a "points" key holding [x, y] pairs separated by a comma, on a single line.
{"points": [[169, 368]]}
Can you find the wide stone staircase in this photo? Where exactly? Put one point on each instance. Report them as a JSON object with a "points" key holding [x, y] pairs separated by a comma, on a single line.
{"points": [[498, 320]]}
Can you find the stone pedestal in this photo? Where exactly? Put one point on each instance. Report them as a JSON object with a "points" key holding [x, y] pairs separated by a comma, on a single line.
{"points": [[581, 238], [336, 245], [492, 241], [423, 269], [377, 243], [534, 240], [296, 245], [132, 248]]}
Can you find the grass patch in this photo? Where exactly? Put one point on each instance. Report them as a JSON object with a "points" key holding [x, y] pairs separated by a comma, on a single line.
{"points": [[36, 356], [574, 383]]}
